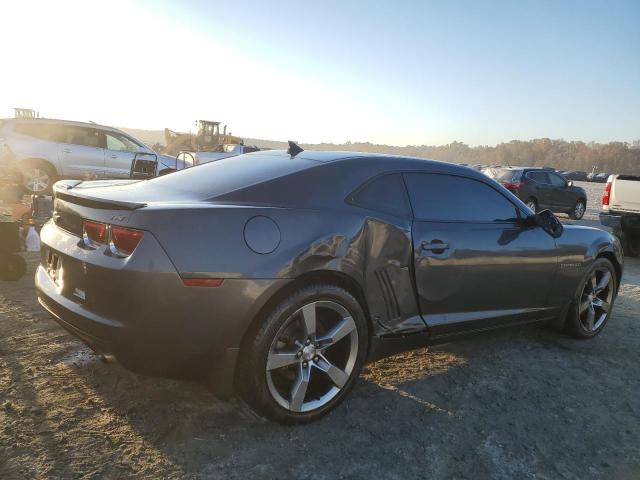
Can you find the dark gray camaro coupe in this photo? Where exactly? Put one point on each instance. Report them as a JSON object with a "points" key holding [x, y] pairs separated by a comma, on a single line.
{"points": [[281, 274]]}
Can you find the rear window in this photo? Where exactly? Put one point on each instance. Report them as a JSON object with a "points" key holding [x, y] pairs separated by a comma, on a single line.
{"points": [[505, 175], [234, 173]]}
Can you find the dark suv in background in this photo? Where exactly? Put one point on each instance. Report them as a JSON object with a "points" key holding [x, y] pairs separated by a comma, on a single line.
{"points": [[542, 188]]}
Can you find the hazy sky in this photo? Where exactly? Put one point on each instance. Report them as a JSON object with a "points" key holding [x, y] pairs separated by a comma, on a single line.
{"points": [[401, 72]]}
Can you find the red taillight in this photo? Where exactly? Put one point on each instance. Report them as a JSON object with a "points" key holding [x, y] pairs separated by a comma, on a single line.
{"points": [[606, 195], [203, 282], [125, 240], [512, 185], [96, 232]]}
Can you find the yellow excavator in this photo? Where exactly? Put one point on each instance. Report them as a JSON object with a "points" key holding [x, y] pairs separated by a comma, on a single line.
{"points": [[208, 139]]}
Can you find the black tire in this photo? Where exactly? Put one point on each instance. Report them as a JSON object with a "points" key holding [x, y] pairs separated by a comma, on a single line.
{"points": [[11, 194], [252, 383], [31, 168], [630, 244], [12, 267], [574, 325], [532, 203], [577, 213]]}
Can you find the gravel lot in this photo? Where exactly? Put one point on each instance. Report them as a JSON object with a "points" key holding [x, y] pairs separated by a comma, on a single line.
{"points": [[525, 403]]}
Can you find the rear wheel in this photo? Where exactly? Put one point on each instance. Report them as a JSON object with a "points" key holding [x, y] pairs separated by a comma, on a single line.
{"points": [[578, 210], [306, 355], [630, 243], [38, 176], [591, 308], [532, 204], [12, 267]]}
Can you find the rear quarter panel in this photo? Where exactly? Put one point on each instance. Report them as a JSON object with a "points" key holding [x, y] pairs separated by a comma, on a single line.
{"points": [[578, 248], [24, 148], [374, 251]]}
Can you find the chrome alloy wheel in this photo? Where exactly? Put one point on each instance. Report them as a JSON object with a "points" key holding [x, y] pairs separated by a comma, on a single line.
{"points": [[532, 205], [312, 356], [596, 298], [578, 211], [36, 179]]}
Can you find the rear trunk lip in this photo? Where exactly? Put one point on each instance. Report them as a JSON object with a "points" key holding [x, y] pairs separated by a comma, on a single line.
{"points": [[64, 191]]}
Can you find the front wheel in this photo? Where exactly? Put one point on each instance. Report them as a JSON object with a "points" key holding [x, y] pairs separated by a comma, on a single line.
{"points": [[591, 308], [306, 355]]}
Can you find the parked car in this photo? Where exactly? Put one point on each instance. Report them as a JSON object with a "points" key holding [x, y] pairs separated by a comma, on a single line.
{"points": [[281, 273], [223, 151], [541, 188], [576, 175], [43, 150], [598, 177], [621, 210]]}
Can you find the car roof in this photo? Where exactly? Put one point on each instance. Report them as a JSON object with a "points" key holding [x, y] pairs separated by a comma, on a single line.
{"points": [[54, 121], [378, 161]]}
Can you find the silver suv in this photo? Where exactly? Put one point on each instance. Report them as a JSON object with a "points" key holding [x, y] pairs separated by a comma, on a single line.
{"points": [[42, 151]]}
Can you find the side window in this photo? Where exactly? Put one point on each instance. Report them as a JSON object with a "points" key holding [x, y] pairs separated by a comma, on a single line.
{"points": [[251, 149], [121, 143], [42, 131], [540, 177], [557, 180], [385, 194], [448, 198], [88, 137]]}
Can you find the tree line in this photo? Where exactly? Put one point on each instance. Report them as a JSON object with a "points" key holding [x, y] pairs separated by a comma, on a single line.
{"points": [[612, 157]]}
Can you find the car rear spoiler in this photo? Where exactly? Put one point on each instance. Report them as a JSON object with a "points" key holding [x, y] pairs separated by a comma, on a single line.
{"points": [[63, 190]]}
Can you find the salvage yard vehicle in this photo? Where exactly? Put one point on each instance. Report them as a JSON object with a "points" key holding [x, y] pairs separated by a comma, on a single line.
{"points": [[621, 210], [44, 150], [191, 158], [541, 188], [279, 274]]}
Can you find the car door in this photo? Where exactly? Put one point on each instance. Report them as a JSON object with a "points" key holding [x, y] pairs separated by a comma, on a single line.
{"points": [[475, 264], [542, 188], [121, 151], [81, 152], [563, 197]]}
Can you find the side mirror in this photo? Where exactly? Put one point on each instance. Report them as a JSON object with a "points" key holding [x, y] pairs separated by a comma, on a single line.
{"points": [[549, 223]]}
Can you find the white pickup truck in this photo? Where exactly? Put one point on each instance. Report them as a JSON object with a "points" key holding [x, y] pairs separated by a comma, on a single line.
{"points": [[621, 210]]}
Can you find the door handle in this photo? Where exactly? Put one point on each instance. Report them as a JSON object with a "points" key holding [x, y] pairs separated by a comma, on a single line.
{"points": [[67, 150], [435, 246], [114, 156]]}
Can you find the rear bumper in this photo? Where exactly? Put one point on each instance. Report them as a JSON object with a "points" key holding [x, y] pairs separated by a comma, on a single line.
{"points": [[620, 221], [147, 318]]}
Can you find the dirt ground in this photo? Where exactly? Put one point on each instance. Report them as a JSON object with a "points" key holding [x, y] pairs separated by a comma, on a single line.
{"points": [[526, 403]]}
